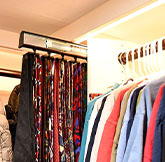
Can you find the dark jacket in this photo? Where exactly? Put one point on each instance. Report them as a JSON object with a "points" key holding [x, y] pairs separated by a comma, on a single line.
{"points": [[12, 111]]}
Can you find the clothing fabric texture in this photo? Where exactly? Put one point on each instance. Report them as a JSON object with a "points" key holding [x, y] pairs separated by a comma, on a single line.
{"points": [[90, 108], [24, 148], [12, 111], [52, 108], [111, 98], [119, 124], [56, 108], [159, 133], [6, 153], [134, 150], [132, 102], [106, 142], [94, 129], [132, 111], [147, 157]]}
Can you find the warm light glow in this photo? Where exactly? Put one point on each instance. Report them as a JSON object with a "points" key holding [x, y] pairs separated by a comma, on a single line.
{"points": [[122, 20]]}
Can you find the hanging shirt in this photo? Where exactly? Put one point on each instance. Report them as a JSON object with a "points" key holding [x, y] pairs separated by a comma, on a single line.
{"points": [[94, 129], [122, 140], [91, 122], [136, 140], [104, 116], [132, 112], [119, 124], [105, 148], [90, 107], [159, 134], [147, 157]]}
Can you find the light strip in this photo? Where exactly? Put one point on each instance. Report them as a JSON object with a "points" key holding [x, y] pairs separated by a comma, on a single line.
{"points": [[122, 20]]}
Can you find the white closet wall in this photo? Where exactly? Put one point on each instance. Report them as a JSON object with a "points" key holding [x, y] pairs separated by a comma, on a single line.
{"points": [[11, 62], [103, 66]]}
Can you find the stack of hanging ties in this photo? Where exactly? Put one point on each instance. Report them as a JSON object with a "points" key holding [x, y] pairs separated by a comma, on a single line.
{"points": [[126, 124], [52, 108]]}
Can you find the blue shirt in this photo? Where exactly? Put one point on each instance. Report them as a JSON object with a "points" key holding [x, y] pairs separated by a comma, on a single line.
{"points": [[127, 118], [134, 150], [87, 118]]}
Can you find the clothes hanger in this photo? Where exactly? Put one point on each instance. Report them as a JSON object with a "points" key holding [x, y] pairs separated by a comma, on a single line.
{"points": [[154, 56], [160, 53], [148, 59], [124, 70], [127, 65], [144, 60], [127, 70], [151, 58], [139, 63], [133, 65]]}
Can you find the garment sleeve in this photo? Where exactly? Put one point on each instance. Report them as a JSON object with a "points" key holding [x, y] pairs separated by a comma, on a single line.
{"points": [[6, 145], [134, 147]]}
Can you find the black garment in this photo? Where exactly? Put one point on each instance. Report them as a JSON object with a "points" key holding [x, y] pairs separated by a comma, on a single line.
{"points": [[25, 135], [12, 112], [132, 111], [94, 129]]}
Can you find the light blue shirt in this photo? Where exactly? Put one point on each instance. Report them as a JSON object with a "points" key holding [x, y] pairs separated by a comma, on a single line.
{"points": [[122, 139], [134, 149], [87, 118]]}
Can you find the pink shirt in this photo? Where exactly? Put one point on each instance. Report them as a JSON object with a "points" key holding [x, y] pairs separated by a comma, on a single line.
{"points": [[106, 143]]}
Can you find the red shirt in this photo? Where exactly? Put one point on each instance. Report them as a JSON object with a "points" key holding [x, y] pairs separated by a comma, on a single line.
{"points": [[106, 143], [147, 157]]}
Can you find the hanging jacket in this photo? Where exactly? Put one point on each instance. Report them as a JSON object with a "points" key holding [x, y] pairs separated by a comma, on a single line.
{"points": [[6, 154], [12, 111]]}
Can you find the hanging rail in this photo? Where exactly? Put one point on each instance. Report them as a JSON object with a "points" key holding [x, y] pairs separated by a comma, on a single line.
{"points": [[10, 73], [52, 45], [122, 56]]}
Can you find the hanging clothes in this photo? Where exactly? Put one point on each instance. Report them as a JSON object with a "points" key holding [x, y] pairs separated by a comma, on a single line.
{"points": [[12, 112], [120, 135], [128, 118], [6, 153], [158, 154], [151, 127], [90, 108], [141, 121]]}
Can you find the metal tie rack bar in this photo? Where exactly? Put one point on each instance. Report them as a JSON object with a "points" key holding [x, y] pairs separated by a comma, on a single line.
{"points": [[52, 45]]}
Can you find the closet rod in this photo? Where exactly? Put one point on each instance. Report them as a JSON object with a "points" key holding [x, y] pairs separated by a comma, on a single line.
{"points": [[52, 45], [122, 55], [10, 73]]}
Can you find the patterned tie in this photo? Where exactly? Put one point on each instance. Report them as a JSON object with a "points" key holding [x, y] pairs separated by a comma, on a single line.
{"points": [[37, 107], [56, 106], [66, 115], [61, 113], [70, 113], [51, 110], [76, 119]]}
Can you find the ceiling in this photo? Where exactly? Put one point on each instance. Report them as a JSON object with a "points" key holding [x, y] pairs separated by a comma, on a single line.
{"points": [[42, 16], [141, 29]]}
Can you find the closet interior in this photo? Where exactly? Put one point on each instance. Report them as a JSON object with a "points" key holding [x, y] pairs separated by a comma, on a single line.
{"points": [[46, 109], [125, 120], [63, 101]]}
